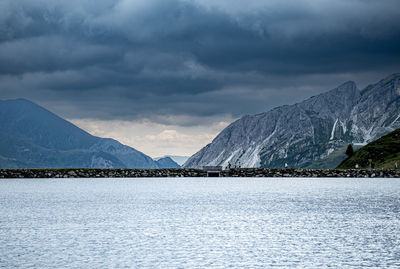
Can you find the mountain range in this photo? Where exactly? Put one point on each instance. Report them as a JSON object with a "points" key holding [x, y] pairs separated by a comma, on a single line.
{"points": [[33, 137], [313, 133]]}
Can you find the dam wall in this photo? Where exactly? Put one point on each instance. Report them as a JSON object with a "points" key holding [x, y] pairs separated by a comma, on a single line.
{"points": [[239, 172]]}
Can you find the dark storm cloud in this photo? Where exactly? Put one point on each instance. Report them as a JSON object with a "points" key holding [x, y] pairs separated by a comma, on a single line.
{"points": [[130, 59]]}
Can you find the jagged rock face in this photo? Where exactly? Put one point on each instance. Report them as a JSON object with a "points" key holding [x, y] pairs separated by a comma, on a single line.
{"points": [[309, 131], [378, 110]]}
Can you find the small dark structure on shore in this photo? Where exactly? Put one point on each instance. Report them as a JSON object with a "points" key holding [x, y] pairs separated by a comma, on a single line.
{"points": [[213, 171]]}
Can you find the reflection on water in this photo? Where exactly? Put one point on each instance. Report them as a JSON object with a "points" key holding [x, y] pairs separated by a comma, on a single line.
{"points": [[186, 223]]}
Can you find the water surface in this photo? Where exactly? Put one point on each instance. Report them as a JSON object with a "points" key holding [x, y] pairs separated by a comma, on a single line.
{"points": [[199, 222]]}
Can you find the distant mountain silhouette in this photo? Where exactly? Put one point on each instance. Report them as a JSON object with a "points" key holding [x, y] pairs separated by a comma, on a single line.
{"points": [[33, 137], [180, 160], [167, 162]]}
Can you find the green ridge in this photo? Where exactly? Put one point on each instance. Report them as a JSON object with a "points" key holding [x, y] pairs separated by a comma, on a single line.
{"points": [[384, 153]]}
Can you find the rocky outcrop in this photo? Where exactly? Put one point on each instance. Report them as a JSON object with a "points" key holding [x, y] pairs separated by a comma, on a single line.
{"points": [[308, 132]]}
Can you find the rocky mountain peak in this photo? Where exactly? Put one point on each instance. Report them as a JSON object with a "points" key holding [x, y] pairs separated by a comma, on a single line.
{"points": [[308, 132], [336, 103]]}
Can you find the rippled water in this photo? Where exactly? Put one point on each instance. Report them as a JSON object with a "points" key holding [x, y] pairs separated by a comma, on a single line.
{"points": [[198, 223]]}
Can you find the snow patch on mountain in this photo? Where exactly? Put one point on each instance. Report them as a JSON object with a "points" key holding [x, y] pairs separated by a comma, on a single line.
{"points": [[333, 129], [395, 120]]}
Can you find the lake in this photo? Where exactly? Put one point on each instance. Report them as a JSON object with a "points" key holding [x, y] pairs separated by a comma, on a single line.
{"points": [[199, 223]]}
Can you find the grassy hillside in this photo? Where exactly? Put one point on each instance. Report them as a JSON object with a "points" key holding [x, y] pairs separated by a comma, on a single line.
{"points": [[384, 152]]}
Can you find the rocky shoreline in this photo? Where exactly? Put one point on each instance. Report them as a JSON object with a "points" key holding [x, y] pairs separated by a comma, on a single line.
{"points": [[242, 172]]}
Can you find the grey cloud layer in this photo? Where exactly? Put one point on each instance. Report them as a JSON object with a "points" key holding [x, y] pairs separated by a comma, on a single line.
{"points": [[129, 59]]}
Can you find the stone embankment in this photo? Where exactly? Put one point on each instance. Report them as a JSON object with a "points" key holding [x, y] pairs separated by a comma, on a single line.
{"points": [[243, 172]]}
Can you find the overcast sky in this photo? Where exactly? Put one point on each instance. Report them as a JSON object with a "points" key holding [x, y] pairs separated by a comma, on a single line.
{"points": [[165, 76]]}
